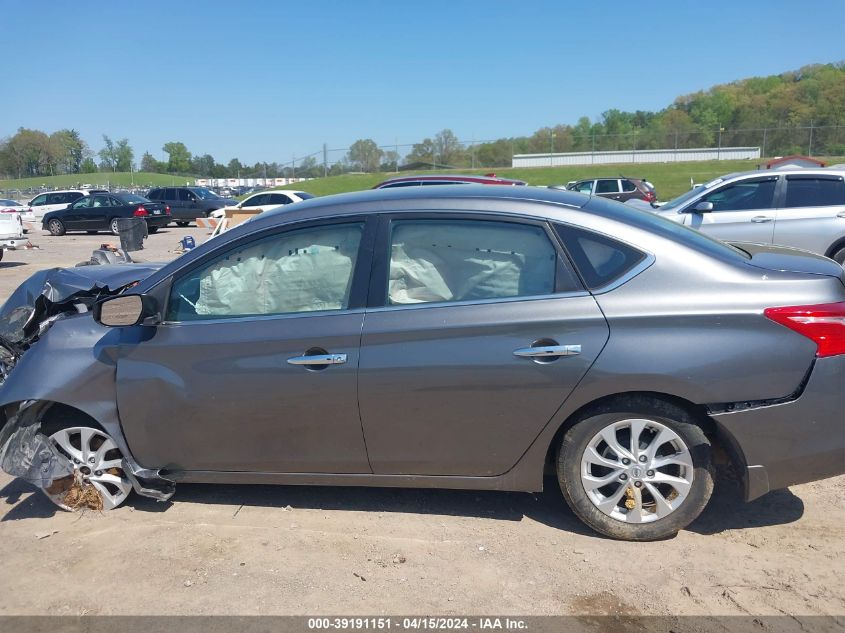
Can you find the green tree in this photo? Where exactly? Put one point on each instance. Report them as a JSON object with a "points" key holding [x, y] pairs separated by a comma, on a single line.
{"points": [[179, 158], [108, 155], [150, 165], [88, 166], [364, 155]]}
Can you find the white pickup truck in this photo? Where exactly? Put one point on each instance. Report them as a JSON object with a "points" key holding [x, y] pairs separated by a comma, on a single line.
{"points": [[11, 232]]}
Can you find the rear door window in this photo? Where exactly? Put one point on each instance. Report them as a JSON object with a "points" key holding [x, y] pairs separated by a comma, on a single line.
{"points": [[435, 261], [278, 198], [814, 191], [607, 186], [601, 260]]}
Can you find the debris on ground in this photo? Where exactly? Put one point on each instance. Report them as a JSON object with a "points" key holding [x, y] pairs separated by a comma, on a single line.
{"points": [[81, 496], [43, 535]]}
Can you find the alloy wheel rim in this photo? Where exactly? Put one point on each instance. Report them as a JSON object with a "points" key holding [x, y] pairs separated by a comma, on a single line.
{"points": [[637, 470], [114, 227], [97, 461], [56, 226]]}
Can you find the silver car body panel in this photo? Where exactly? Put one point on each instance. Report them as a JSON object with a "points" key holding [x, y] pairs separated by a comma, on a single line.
{"points": [[442, 399]]}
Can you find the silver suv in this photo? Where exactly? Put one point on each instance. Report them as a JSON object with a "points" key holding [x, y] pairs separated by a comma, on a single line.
{"points": [[802, 208]]}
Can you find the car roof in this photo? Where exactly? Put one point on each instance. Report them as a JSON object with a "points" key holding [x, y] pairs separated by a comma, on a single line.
{"points": [[789, 171], [473, 178]]}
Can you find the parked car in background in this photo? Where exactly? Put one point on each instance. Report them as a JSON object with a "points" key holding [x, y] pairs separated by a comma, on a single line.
{"points": [[189, 203], [265, 201], [11, 231], [621, 189], [447, 179], [475, 336], [803, 208], [12, 206], [100, 212], [55, 200]]}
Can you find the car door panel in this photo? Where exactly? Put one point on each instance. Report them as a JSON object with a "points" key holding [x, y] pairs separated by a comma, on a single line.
{"points": [[442, 393], [222, 396], [229, 382], [812, 215]]}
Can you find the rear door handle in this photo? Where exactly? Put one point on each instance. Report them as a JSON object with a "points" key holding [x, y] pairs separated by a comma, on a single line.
{"points": [[318, 359], [547, 351], [761, 218]]}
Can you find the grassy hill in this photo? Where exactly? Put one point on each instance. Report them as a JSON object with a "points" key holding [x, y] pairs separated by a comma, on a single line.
{"points": [[121, 179], [670, 179]]}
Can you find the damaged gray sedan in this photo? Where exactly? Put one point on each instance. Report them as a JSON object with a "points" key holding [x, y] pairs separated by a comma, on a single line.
{"points": [[456, 338]]}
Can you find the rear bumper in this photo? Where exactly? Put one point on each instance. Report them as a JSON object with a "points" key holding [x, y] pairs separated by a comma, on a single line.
{"points": [[795, 442], [158, 221], [12, 244]]}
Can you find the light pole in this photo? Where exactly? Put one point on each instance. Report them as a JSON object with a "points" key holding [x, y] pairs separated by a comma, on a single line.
{"points": [[551, 147]]}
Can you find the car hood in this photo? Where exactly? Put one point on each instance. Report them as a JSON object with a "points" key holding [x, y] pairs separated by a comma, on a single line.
{"points": [[52, 293], [793, 260]]}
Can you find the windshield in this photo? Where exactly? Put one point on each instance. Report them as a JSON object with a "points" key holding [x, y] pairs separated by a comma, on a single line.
{"points": [[683, 198], [204, 194]]}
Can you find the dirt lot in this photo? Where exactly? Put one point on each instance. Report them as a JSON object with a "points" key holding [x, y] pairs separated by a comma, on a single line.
{"points": [[287, 550]]}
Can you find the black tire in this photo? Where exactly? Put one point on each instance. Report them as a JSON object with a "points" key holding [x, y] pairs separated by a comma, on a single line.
{"points": [[113, 227], [1, 253], [839, 256], [152, 229], [577, 439], [56, 227], [182, 223]]}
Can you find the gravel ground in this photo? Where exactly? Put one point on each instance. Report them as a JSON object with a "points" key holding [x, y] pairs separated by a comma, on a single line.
{"points": [[289, 550]]}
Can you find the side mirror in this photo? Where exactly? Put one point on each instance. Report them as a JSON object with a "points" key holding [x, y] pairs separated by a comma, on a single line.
{"points": [[126, 310], [703, 207]]}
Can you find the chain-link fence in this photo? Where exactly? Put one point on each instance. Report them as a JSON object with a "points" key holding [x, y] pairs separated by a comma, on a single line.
{"points": [[446, 152]]}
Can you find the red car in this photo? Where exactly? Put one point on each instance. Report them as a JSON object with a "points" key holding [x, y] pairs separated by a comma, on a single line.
{"points": [[448, 179]]}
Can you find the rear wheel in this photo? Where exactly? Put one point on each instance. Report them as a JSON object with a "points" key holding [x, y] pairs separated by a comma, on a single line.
{"points": [[638, 473], [56, 227], [99, 481], [113, 226]]}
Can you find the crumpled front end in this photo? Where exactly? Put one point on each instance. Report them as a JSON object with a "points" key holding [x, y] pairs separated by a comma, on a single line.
{"points": [[51, 294]]}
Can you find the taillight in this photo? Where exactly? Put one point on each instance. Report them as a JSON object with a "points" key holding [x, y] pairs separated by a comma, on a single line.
{"points": [[166, 210], [824, 324], [649, 196], [8, 211], [140, 212]]}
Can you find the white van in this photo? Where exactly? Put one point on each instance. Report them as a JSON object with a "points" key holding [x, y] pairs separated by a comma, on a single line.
{"points": [[54, 200]]}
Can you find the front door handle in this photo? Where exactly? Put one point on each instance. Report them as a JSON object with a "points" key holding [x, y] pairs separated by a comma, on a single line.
{"points": [[318, 359], [547, 351], [761, 218]]}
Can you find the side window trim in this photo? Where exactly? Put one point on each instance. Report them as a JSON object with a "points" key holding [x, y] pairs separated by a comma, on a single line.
{"points": [[360, 275], [378, 286]]}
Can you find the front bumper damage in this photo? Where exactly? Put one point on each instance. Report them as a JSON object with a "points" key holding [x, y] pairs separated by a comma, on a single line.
{"points": [[26, 452]]}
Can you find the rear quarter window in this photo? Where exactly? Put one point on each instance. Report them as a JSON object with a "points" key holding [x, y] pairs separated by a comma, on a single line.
{"points": [[599, 259]]}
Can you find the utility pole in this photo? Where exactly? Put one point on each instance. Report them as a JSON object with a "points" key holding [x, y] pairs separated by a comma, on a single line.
{"points": [[810, 148], [325, 161], [763, 149], [719, 149], [551, 147]]}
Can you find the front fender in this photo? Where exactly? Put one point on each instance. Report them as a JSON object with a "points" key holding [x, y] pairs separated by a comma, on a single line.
{"points": [[73, 363]]}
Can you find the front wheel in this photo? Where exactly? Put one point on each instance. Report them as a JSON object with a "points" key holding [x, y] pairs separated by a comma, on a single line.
{"points": [[638, 473], [99, 481], [839, 256], [56, 227], [113, 227]]}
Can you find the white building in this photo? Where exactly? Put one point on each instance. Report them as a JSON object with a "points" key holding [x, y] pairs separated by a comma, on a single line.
{"points": [[635, 156]]}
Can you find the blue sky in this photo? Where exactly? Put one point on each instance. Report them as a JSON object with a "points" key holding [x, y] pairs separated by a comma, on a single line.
{"points": [[263, 81]]}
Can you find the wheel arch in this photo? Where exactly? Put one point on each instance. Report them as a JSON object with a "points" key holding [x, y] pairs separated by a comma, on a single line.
{"points": [[697, 412], [837, 245]]}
